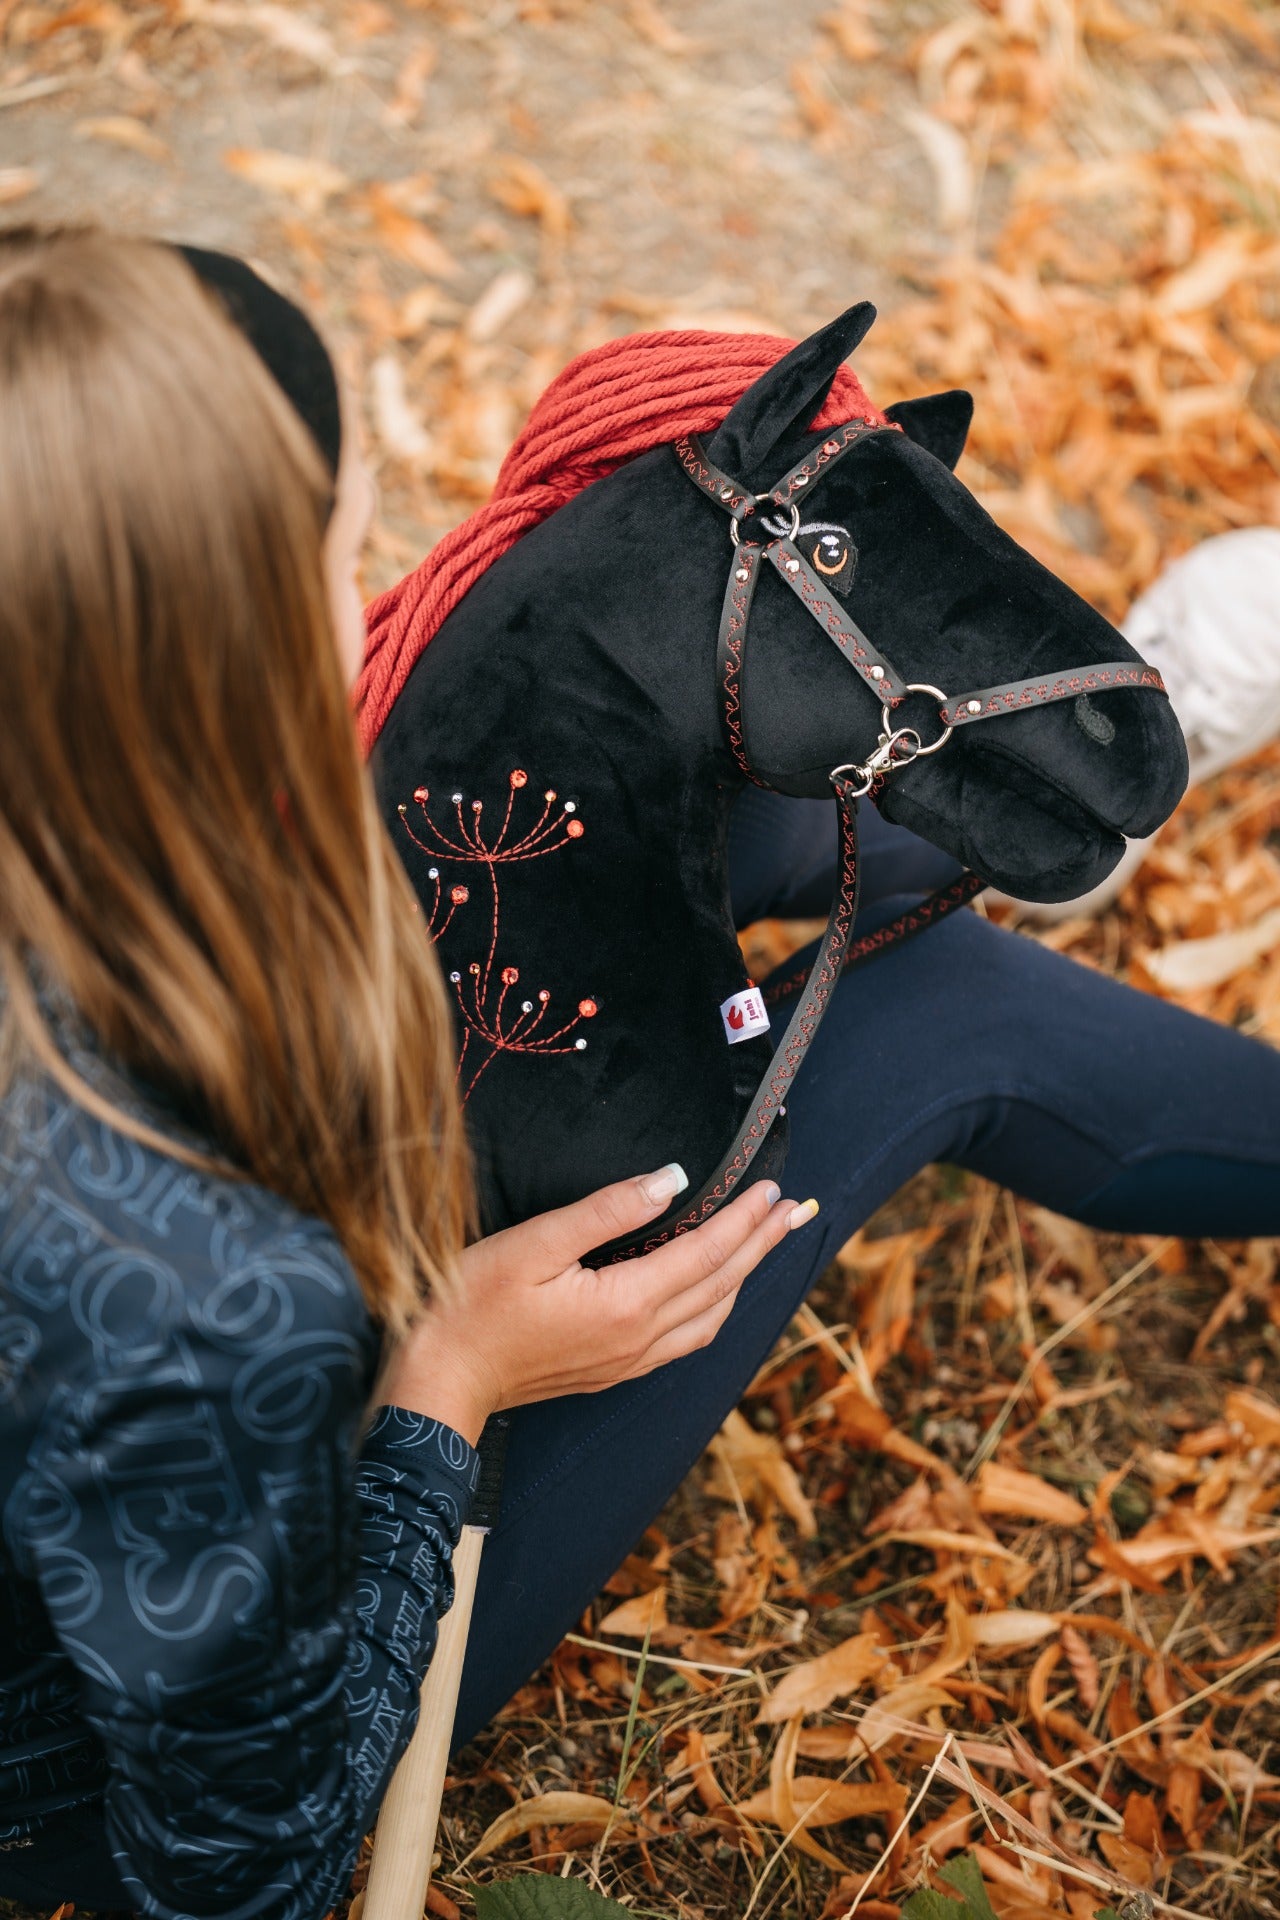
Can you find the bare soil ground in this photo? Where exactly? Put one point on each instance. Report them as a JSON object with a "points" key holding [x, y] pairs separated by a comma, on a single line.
{"points": [[1022, 1477]]}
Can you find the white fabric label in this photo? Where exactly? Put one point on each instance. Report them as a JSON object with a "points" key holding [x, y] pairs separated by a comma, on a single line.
{"points": [[744, 1015]]}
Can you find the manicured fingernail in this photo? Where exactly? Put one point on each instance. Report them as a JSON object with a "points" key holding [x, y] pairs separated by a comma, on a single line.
{"points": [[665, 1184], [799, 1215], [772, 1192]]}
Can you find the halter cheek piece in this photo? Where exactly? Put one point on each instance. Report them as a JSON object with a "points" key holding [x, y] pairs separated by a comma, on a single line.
{"points": [[896, 748]]}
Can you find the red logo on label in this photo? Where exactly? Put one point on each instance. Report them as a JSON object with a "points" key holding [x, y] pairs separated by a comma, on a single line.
{"points": [[735, 1017]]}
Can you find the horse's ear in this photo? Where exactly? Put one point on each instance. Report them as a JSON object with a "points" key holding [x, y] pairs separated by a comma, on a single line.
{"points": [[939, 423], [789, 395]]}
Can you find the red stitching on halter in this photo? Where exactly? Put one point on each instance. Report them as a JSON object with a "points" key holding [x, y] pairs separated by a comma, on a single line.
{"points": [[608, 405]]}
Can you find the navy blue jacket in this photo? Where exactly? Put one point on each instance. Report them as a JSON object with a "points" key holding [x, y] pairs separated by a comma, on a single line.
{"points": [[218, 1592]]}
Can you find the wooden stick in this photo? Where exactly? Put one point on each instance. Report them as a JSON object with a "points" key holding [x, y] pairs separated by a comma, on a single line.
{"points": [[405, 1841]]}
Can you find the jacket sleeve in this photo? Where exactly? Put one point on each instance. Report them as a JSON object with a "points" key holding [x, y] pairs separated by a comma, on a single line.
{"points": [[249, 1601]]}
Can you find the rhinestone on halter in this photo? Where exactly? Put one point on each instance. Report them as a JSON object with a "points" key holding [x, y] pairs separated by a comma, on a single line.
{"points": [[792, 566], [743, 573], [726, 493], [877, 673], [973, 706]]}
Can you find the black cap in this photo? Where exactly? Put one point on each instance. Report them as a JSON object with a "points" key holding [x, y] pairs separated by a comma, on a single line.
{"points": [[284, 340]]}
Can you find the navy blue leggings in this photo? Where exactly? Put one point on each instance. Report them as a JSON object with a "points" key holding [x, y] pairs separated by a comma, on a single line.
{"points": [[967, 1044]]}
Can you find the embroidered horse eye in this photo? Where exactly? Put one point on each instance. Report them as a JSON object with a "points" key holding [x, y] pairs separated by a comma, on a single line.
{"points": [[829, 558], [1092, 721]]}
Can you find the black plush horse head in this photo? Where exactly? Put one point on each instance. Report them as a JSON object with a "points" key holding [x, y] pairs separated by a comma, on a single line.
{"points": [[776, 605]]}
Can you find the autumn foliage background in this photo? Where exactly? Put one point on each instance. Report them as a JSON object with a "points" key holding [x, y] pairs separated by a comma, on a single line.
{"points": [[992, 1541]]}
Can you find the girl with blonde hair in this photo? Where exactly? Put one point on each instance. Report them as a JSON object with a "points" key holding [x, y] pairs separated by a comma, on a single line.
{"points": [[235, 1200]]}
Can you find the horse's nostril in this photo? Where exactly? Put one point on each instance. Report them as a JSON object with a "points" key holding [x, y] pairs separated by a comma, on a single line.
{"points": [[1093, 722]]}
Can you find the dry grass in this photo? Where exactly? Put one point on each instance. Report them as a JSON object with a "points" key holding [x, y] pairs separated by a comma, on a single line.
{"points": [[1000, 1515]]}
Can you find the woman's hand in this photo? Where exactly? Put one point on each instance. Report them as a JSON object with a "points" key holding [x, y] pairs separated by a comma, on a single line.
{"points": [[528, 1321]]}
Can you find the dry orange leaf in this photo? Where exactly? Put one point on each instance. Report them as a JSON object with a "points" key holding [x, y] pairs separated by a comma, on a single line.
{"points": [[310, 183], [644, 1613], [814, 1684], [697, 1757], [1259, 1416], [551, 1810], [943, 1540], [945, 1835], [1013, 1627], [822, 1803], [1131, 1862], [17, 182], [122, 130], [523, 188], [657, 29], [782, 1769], [1084, 1667], [1008, 1490], [406, 237], [753, 1466], [894, 1715]]}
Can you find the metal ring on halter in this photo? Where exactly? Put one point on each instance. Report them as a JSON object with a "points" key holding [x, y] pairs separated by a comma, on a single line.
{"points": [[919, 686], [866, 779], [791, 533]]}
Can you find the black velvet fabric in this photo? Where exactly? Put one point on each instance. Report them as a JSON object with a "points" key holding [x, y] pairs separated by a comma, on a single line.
{"points": [[584, 660]]}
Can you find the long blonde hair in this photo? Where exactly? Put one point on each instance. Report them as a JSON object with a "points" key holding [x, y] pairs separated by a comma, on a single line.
{"points": [[190, 849]]}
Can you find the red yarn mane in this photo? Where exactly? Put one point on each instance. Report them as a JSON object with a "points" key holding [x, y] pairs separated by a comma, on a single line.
{"points": [[607, 406]]}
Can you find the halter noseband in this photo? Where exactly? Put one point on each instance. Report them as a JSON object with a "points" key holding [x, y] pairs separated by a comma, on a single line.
{"points": [[896, 748]]}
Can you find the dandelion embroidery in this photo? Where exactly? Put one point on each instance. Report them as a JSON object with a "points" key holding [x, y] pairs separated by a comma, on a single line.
{"points": [[495, 1019]]}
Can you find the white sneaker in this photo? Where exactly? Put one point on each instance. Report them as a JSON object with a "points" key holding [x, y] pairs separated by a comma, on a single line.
{"points": [[1210, 624]]}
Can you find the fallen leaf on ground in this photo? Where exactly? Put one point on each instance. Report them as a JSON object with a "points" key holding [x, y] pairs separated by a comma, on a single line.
{"points": [[310, 183], [814, 1684]]}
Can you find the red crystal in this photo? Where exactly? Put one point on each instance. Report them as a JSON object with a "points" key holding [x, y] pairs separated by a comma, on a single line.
{"points": [[519, 778], [421, 795], [459, 894], [575, 829], [588, 1009], [510, 975]]}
